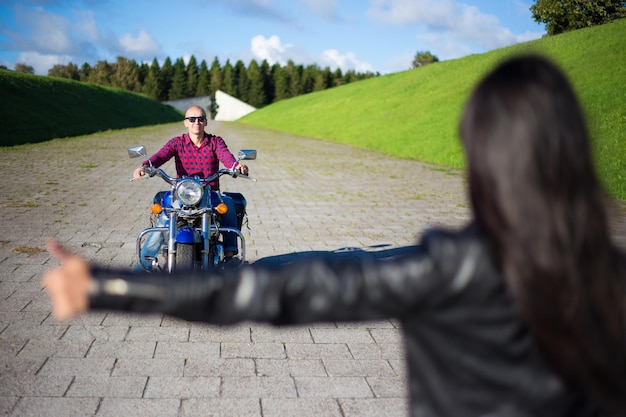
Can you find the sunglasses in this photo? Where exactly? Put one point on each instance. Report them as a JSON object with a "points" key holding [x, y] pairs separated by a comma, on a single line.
{"points": [[192, 119]]}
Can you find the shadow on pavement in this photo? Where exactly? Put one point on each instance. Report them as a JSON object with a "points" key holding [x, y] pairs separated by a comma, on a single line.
{"points": [[369, 252]]}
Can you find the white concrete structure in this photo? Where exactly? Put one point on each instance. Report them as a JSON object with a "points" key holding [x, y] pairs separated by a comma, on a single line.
{"points": [[205, 102], [230, 108]]}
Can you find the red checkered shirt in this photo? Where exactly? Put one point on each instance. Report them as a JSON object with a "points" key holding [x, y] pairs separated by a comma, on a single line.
{"points": [[191, 160]]}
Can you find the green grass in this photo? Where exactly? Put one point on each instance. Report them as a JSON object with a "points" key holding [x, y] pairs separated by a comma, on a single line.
{"points": [[414, 114], [36, 108]]}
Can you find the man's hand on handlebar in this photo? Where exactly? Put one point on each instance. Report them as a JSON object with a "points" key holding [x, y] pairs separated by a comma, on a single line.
{"points": [[243, 169], [138, 173]]}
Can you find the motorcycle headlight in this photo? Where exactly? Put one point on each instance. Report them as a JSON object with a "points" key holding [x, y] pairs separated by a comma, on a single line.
{"points": [[188, 192]]}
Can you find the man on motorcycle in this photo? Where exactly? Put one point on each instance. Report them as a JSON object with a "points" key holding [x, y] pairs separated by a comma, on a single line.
{"points": [[195, 153]]}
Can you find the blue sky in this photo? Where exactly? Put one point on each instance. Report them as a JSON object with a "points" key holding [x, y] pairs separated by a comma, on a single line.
{"points": [[363, 35]]}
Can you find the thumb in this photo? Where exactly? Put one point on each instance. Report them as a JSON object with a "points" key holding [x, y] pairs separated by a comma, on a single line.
{"points": [[56, 250]]}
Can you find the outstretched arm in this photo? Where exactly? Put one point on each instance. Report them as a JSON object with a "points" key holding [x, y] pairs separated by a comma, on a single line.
{"points": [[320, 288]]}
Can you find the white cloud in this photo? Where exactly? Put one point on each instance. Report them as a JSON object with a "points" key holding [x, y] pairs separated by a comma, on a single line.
{"points": [[274, 51], [41, 63], [46, 38], [50, 33], [141, 46], [270, 49], [455, 27], [333, 59]]}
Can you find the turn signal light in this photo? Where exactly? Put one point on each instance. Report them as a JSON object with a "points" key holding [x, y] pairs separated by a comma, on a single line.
{"points": [[222, 208], [156, 209]]}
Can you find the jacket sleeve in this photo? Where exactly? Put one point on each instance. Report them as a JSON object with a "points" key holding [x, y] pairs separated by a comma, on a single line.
{"points": [[316, 289]]}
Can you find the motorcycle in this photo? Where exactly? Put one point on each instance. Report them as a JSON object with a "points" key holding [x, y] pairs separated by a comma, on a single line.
{"points": [[192, 236]]}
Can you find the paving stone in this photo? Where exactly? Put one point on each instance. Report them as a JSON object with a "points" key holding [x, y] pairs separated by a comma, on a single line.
{"points": [[157, 333], [153, 407], [183, 387], [103, 386], [377, 351], [12, 385], [124, 319], [222, 407], [338, 367], [125, 350], [264, 334], [149, 367], [317, 351], [388, 387], [56, 406], [12, 346], [7, 404], [55, 348], [11, 365], [199, 350], [89, 333], [377, 407], [253, 350], [357, 335], [333, 387], [301, 407], [216, 367], [386, 336], [258, 387], [78, 366], [221, 334], [32, 329], [291, 367]]}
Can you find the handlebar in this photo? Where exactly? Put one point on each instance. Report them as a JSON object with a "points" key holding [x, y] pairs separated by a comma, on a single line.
{"points": [[151, 171]]}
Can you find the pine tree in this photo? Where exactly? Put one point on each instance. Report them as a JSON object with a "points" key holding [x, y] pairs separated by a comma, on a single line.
{"points": [[126, 75], [192, 77], [216, 77], [268, 82], [167, 73], [281, 82], [152, 84], [179, 81], [204, 78], [228, 80], [240, 80], [322, 80], [256, 85]]}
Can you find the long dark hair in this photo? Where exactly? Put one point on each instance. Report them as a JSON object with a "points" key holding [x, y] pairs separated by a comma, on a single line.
{"points": [[535, 193]]}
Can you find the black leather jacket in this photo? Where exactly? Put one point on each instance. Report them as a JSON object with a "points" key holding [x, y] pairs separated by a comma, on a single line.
{"points": [[468, 352]]}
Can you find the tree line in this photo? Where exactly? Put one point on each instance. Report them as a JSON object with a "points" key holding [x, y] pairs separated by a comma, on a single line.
{"points": [[256, 84]]}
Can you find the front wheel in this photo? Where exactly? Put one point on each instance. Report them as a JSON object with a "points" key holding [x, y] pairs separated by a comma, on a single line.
{"points": [[185, 256]]}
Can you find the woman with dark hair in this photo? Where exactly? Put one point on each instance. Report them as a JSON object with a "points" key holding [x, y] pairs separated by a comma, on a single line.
{"points": [[536, 196], [521, 313]]}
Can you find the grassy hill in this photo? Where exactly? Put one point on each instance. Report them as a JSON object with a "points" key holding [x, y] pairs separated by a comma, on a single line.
{"points": [[414, 114], [36, 108]]}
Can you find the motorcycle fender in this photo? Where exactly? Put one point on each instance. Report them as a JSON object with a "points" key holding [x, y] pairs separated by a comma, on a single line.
{"points": [[187, 234]]}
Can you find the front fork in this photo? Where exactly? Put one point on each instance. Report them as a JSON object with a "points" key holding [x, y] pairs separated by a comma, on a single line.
{"points": [[206, 240], [171, 243]]}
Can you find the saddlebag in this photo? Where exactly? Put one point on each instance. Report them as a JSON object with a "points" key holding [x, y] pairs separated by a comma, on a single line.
{"points": [[240, 207]]}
